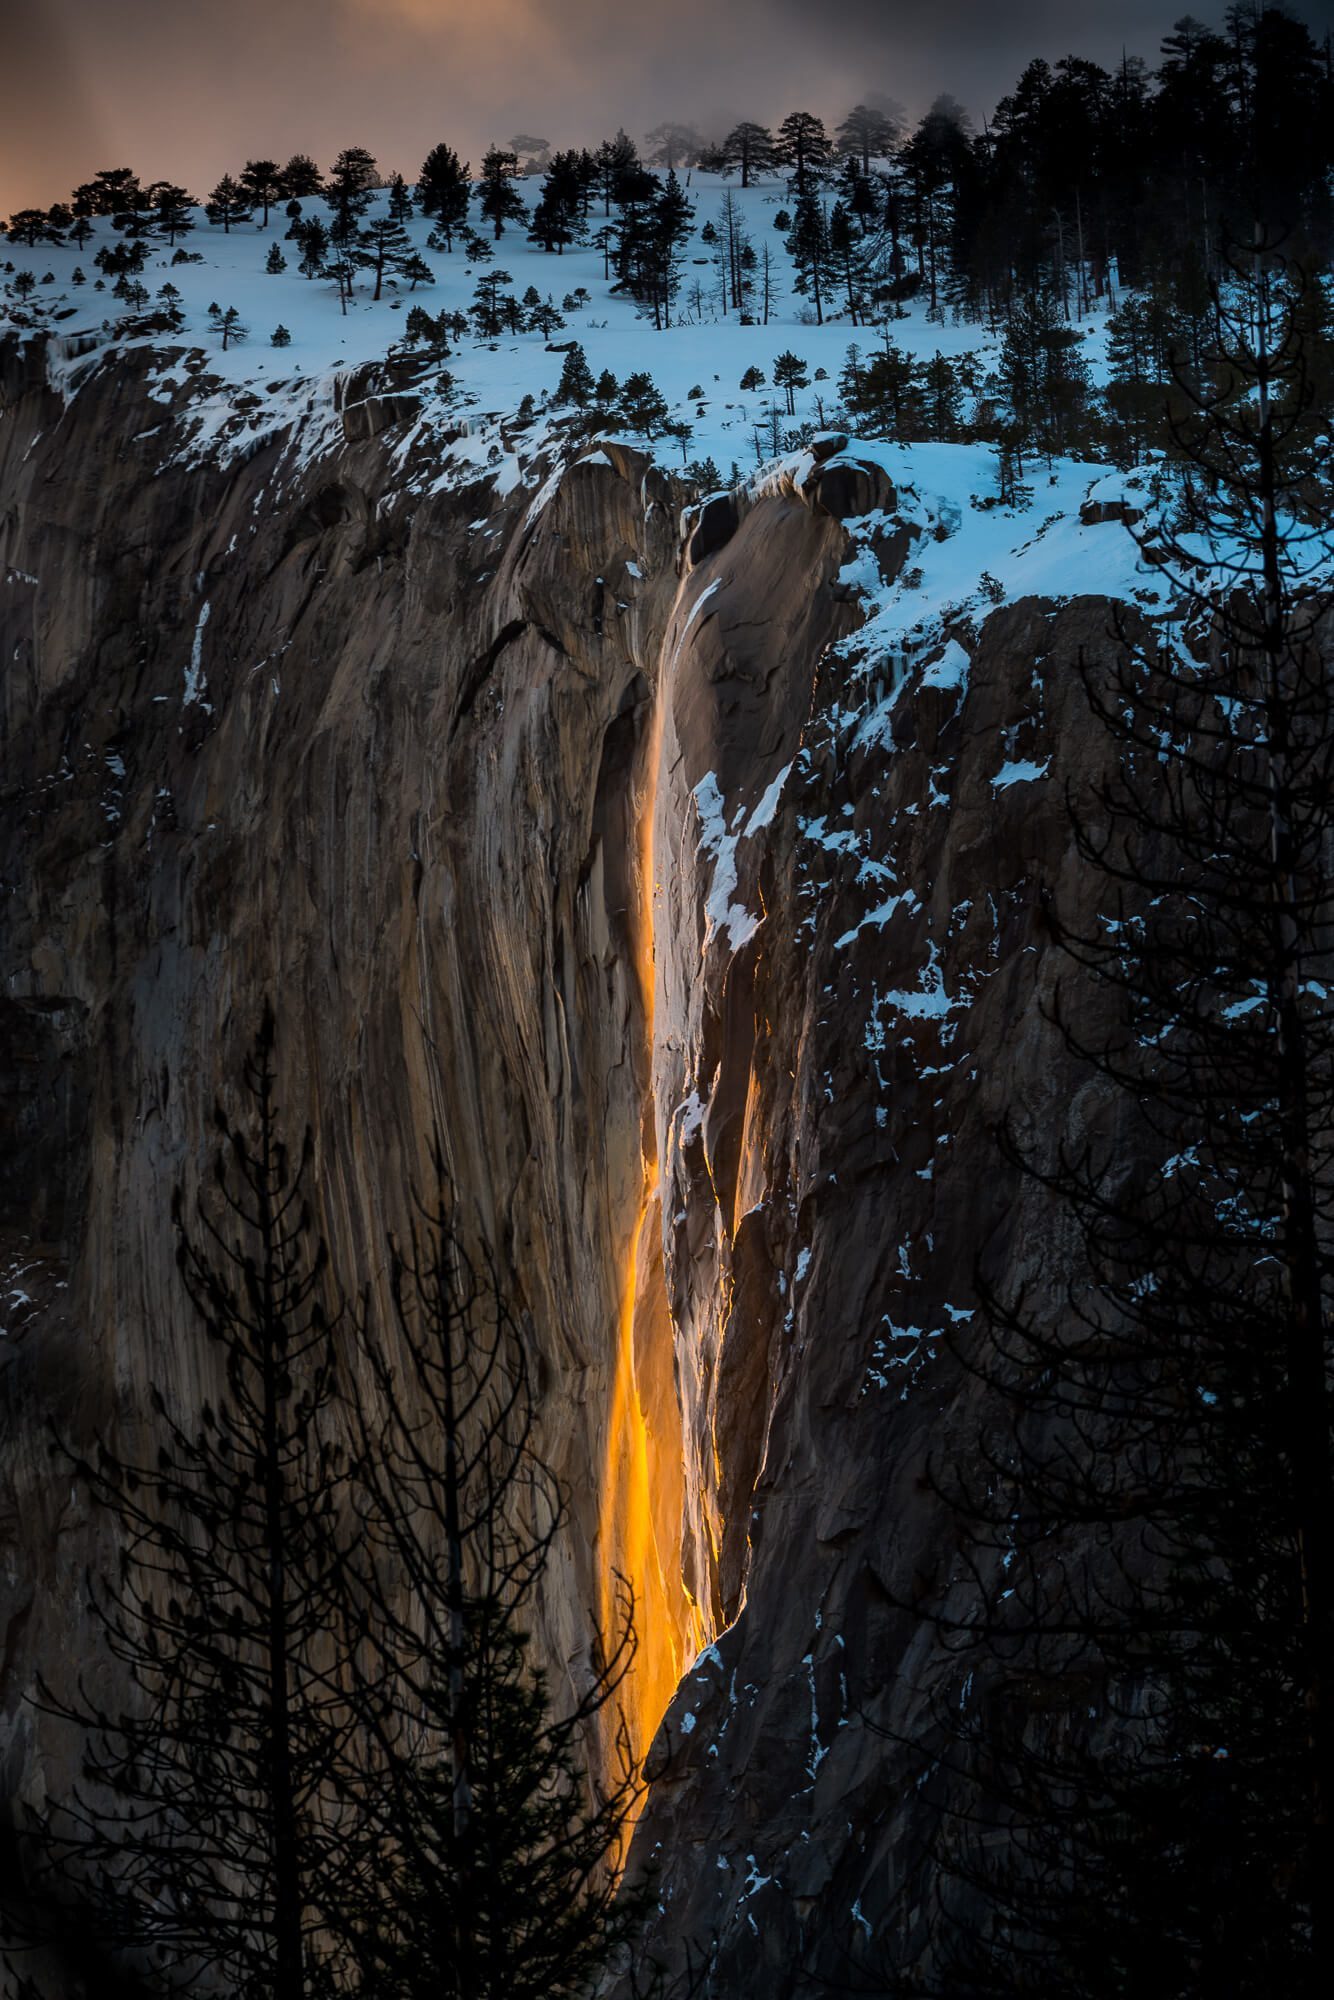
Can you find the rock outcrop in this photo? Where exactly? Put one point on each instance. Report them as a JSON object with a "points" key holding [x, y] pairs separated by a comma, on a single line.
{"points": [[577, 830]]}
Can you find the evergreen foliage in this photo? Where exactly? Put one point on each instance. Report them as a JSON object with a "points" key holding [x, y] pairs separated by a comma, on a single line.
{"points": [[203, 1835], [227, 204], [866, 134], [803, 147], [262, 183], [502, 1884], [1146, 1604], [348, 191], [643, 404], [497, 197], [790, 375], [383, 248], [748, 150], [558, 212], [301, 178], [809, 248], [443, 191], [172, 210], [576, 378]]}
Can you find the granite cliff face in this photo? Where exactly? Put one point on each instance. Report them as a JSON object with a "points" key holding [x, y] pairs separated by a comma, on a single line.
{"points": [[712, 943]]}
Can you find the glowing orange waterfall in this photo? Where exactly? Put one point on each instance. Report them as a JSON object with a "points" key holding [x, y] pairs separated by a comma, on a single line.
{"points": [[643, 1477], [641, 1507]]}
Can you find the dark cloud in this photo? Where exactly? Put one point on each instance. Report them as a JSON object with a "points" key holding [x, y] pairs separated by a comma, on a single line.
{"points": [[187, 89], [976, 48]]}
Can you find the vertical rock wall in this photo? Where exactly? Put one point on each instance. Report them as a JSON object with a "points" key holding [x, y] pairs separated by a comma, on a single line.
{"points": [[714, 964]]}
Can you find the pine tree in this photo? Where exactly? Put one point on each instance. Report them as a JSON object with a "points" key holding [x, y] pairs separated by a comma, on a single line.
{"points": [[1044, 374], [544, 318], [1148, 1611], [262, 182], [847, 259], [678, 429], [113, 191], [748, 147], [351, 179], [498, 198], [944, 396], [443, 190], [170, 300], [643, 405], [734, 243], [301, 178], [341, 272], [670, 226], [382, 247], [134, 293], [866, 134], [400, 201], [172, 209], [803, 146], [808, 247], [29, 226], [227, 204], [614, 162], [883, 392], [789, 376], [416, 270], [203, 1836], [313, 239], [487, 309], [859, 193], [558, 211], [227, 322], [275, 262], [576, 378], [770, 291], [501, 1877], [280, 337]]}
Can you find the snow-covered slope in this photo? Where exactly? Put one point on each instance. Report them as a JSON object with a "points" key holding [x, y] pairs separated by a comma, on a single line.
{"points": [[697, 363]]}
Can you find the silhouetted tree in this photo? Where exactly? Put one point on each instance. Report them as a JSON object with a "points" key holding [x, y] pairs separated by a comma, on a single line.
{"points": [[576, 378], [382, 247], [443, 190], [301, 177], [173, 210], [497, 197], [203, 1835], [263, 183], [789, 376], [501, 1858], [1139, 1734], [867, 133], [558, 212], [352, 177], [803, 147], [808, 247], [749, 149], [227, 204]]}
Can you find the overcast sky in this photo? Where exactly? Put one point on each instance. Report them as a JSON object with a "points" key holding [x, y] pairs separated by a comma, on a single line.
{"points": [[183, 89]]}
